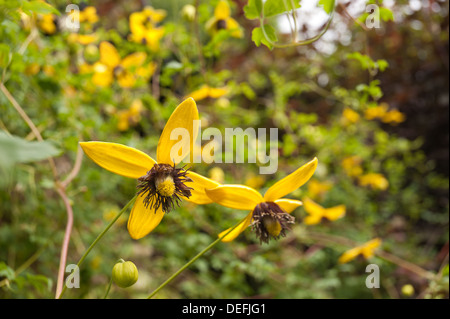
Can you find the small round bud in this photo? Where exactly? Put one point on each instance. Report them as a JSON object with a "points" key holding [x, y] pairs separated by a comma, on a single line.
{"points": [[124, 273], [408, 290], [188, 12]]}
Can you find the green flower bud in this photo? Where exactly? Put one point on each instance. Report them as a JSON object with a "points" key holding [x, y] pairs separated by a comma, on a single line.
{"points": [[124, 273]]}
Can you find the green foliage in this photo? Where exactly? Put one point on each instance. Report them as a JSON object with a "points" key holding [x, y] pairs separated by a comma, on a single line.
{"points": [[306, 92]]}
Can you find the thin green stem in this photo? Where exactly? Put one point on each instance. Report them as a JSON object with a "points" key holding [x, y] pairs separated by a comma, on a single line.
{"points": [[192, 261], [108, 289], [100, 237]]}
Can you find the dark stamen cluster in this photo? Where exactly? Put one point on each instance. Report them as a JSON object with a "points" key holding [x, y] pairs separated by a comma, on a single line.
{"points": [[270, 212], [154, 200]]}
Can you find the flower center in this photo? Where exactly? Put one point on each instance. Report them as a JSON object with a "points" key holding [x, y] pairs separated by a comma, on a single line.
{"points": [[221, 24], [163, 187], [270, 221]]}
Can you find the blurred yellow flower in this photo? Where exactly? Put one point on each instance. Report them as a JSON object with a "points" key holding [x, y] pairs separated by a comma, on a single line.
{"points": [[374, 180], [352, 166], [161, 186], [316, 188], [317, 213], [376, 112], [207, 92], [367, 250], [83, 39], [217, 174], [349, 116], [222, 20], [47, 23], [255, 181], [32, 69], [393, 117], [143, 27], [383, 113], [89, 15], [132, 116], [111, 66], [269, 216]]}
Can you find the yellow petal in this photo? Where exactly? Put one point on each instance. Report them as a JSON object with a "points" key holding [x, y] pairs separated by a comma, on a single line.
{"points": [[291, 182], [184, 117], [222, 11], [368, 249], [126, 79], [288, 205], [143, 220], [239, 229], [312, 219], [334, 213], [312, 208], [199, 184], [349, 255], [119, 159], [103, 75], [234, 27], [235, 196], [109, 55], [134, 60]]}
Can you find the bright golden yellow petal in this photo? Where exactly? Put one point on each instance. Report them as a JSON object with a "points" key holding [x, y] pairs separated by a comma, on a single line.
{"points": [[109, 55], [143, 220], [349, 255], [334, 213], [134, 60], [185, 117], [235, 196], [288, 205], [239, 229], [215, 93], [222, 11], [291, 182], [199, 184], [119, 159]]}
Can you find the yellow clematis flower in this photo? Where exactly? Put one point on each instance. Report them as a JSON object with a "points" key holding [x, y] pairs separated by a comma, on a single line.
{"points": [[111, 66], [89, 15], [374, 180], [367, 250], [269, 215], [207, 92], [161, 186], [131, 116], [222, 20], [393, 117], [317, 212], [349, 116], [47, 23], [143, 27], [352, 166]]}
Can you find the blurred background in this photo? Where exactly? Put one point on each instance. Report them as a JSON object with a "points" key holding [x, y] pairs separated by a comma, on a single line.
{"points": [[370, 103]]}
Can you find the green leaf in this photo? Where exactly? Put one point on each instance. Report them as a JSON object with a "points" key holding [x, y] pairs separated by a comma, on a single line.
{"points": [[38, 7], [328, 5], [17, 150], [258, 36], [275, 7], [386, 15], [6, 271], [253, 9], [4, 55]]}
